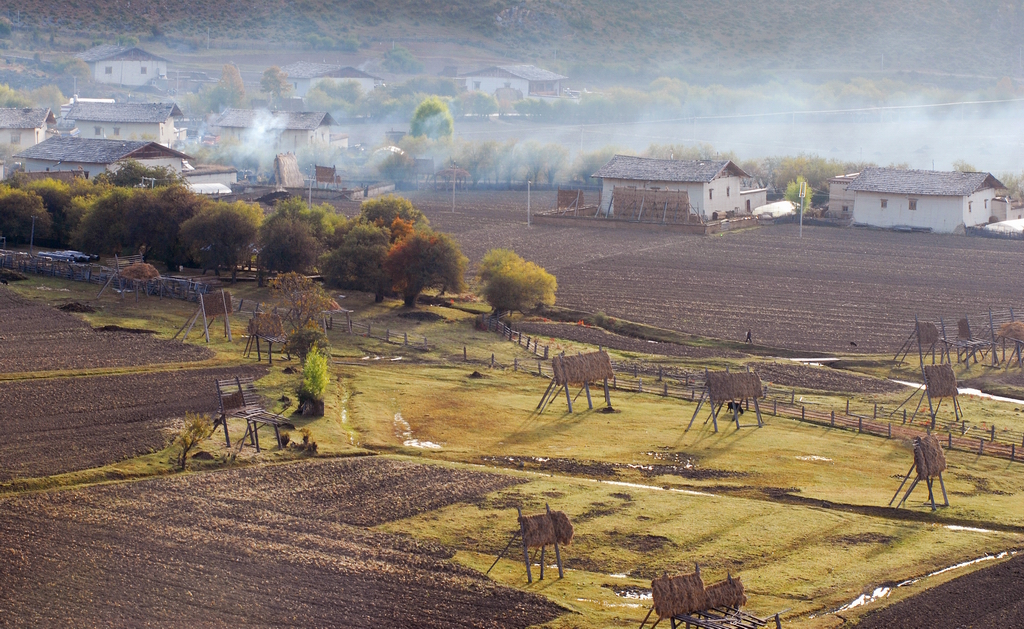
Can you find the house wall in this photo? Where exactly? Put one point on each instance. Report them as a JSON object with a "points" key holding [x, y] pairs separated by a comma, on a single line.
{"points": [[160, 132], [128, 72], [838, 198], [224, 178], [287, 140], [488, 84], [720, 195], [756, 198], [366, 85], [25, 137], [36, 165], [942, 214]]}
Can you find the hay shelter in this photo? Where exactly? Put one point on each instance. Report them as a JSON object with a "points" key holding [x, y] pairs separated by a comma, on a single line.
{"points": [[140, 271], [963, 329], [267, 325], [727, 593], [929, 459], [551, 528], [731, 389], [286, 171], [538, 530], [679, 595], [1013, 330], [927, 334], [941, 380], [582, 369]]}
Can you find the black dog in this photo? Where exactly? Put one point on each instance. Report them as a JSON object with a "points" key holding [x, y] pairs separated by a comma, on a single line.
{"points": [[737, 406]]}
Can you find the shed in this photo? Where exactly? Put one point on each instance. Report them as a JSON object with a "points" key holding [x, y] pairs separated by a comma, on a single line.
{"points": [[530, 81], [24, 126], [93, 156], [305, 75]]}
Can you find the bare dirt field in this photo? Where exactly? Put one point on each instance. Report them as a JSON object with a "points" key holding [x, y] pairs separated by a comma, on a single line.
{"points": [[265, 546], [595, 336], [823, 292], [57, 425], [992, 597], [788, 374], [36, 337]]}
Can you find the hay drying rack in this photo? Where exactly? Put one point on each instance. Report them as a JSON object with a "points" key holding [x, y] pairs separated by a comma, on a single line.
{"points": [[525, 536], [716, 392]]}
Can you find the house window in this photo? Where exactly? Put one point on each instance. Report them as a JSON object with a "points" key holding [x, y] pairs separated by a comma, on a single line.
{"points": [[108, 70], [476, 85], [969, 203], [97, 131], [727, 190], [15, 137], [911, 204], [117, 132], [143, 69], [711, 194], [986, 204], [846, 209], [748, 206], [885, 203]]}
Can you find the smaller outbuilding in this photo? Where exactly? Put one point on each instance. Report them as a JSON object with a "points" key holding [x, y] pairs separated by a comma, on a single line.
{"points": [[840, 197], [123, 65], [24, 126], [525, 81], [92, 156], [304, 76]]}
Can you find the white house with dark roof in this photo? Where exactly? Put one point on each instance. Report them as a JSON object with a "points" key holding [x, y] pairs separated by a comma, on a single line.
{"points": [[24, 127], [714, 186], [305, 75], [123, 65], [528, 81], [129, 121], [62, 153], [943, 202], [285, 130]]}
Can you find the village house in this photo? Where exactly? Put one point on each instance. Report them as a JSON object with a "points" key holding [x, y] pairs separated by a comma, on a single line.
{"points": [[840, 197], [123, 65], [129, 121], [24, 127], [927, 200], [286, 130], [304, 76], [713, 186], [93, 156], [525, 81]]}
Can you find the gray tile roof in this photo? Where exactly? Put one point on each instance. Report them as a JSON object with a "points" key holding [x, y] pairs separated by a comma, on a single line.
{"points": [[65, 148], [112, 51], [25, 118], [289, 120], [528, 72], [648, 169], [923, 182], [309, 70], [123, 112]]}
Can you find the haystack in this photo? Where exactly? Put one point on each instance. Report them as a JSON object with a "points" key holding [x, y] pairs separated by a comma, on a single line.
{"points": [[286, 171], [725, 386], [927, 334], [679, 595], [563, 528], [140, 271], [929, 458], [1013, 330], [217, 304], [727, 593], [267, 325], [538, 530], [582, 369], [963, 330], [941, 381]]}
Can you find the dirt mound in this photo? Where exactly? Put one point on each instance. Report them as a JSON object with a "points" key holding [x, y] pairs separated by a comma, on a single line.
{"points": [[790, 374], [11, 275], [420, 315], [476, 374], [74, 306], [117, 328]]}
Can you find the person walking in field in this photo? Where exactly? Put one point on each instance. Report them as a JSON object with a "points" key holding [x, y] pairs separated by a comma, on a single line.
{"points": [[749, 339]]}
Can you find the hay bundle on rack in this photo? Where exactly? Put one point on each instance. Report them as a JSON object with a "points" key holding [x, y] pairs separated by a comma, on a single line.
{"points": [[726, 386], [216, 304], [679, 594], [1013, 330], [140, 271], [538, 530], [563, 528], [728, 593], [929, 458], [233, 401], [582, 369], [266, 324], [927, 333], [963, 329], [941, 381]]}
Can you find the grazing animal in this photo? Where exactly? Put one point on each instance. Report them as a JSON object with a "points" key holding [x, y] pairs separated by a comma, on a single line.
{"points": [[853, 344], [4, 282], [735, 406]]}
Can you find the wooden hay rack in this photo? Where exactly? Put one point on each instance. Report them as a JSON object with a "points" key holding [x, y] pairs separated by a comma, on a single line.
{"points": [[209, 307], [686, 601], [732, 391], [651, 205], [551, 528], [580, 370], [927, 338], [267, 327], [939, 383], [238, 398], [929, 462], [327, 175]]}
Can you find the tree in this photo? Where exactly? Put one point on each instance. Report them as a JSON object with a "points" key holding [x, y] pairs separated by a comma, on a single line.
{"points": [[432, 119], [65, 204], [223, 235], [964, 166], [287, 245], [196, 428], [229, 91], [133, 174], [314, 384], [511, 283], [17, 207], [153, 222], [793, 193], [400, 61], [275, 82], [426, 260], [358, 264], [306, 299], [102, 228], [384, 210]]}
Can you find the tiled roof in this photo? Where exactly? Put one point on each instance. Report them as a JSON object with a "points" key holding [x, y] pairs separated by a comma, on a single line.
{"points": [[528, 72], [112, 51], [64, 148], [308, 70], [123, 112], [25, 118], [290, 120], [647, 169], [923, 182]]}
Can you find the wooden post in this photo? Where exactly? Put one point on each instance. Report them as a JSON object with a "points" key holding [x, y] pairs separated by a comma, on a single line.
{"points": [[832, 419], [515, 364], [607, 397], [558, 555], [526, 550], [993, 433], [405, 338], [206, 326], [890, 430], [590, 403], [567, 398], [847, 407], [464, 358], [227, 319]]}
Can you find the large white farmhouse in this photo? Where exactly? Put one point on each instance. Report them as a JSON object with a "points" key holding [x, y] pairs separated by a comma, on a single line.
{"points": [[524, 80], [304, 76], [714, 186], [66, 153], [286, 130], [943, 202], [129, 121], [123, 65]]}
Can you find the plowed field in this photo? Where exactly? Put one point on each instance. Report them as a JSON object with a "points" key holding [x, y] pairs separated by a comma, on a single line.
{"points": [[266, 546], [823, 292]]}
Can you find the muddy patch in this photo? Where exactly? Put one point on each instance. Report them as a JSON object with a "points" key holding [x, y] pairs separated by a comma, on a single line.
{"points": [[640, 543], [676, 464], [859, 539], [629, 591]]}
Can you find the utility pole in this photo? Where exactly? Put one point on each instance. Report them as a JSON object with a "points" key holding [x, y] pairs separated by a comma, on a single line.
{"points": [[528, 220], [453, 186], [311, 176], [803, 196], [32, 238]]}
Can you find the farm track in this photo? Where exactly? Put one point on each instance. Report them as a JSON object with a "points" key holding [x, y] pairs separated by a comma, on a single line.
{"points": [[265, 546], [57, 425], [35, 337], [825, 292]]}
